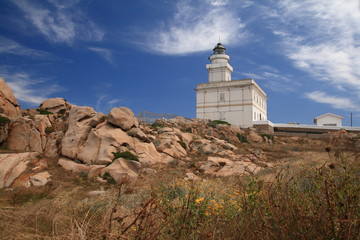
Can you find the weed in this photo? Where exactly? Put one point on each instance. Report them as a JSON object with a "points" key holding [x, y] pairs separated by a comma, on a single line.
{"points": [[268, 136], [216, 122], [44, 111], [157, 125], [4, 120], [125, 155], [49, 130], [109, 179], [242, 138], [183, 144]]}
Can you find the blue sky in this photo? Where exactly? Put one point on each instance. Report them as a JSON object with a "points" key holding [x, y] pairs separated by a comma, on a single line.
{"points": [[149, 55]]}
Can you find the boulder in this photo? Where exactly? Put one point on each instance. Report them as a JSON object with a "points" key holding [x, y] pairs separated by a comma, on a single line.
{"points": [[54, 105], [136, 132], [24, 136], [81, 121], [13, 165], [123, 117], [122, 169], [8, 103], [170, 145], [92, 170], [52, 147], [4, 128], [254, 137], [147, 152], [101, 142], [40, 179], [192, 177]]}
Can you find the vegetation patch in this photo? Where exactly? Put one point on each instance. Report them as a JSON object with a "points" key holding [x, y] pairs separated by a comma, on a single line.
{"points": [[49, 130], [183, 144], [109, 179], [216, 122], [242, 138], [157, 125], [4, 120], [43, 111], [125, 155], [268, 136]]}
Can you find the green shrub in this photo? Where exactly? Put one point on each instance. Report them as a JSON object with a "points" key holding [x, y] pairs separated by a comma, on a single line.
{"points": [[125, 155], [183, 144], [157, 125], [49, 130], [242, 138], [109, 179], [44, 111], [216, 122], [268, 136], [4, 120]]}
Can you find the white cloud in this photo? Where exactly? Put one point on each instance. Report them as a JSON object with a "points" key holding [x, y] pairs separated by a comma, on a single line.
{"points": [[322, 38], [60, 22], [335, 102], [104, 53], [26, 89], [273, 79], [8, 46], [198, 28]]}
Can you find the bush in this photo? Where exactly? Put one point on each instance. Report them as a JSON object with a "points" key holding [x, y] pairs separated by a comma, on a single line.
{"points": [[4, 120], [242, 138], [183, 144], [44, 111], [216, 122], [157, 125], [109, 179], [268, 136], [49, 130], [125, 155]]}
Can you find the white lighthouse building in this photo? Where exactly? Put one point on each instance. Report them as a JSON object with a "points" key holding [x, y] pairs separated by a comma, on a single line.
{"points": [[239, 102]]}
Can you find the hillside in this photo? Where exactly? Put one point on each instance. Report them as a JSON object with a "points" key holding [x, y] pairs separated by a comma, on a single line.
{"points": [[69, 172]]}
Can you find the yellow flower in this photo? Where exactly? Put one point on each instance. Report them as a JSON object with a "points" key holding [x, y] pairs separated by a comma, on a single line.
{"points": [[199, 200]]}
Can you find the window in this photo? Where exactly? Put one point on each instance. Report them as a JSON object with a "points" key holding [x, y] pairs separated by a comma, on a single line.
{"points": [[222, 116], [330, 124], [222, 97]]}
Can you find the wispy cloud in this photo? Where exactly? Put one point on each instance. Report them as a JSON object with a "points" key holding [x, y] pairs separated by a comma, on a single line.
{"points": [[60, 21], [104, 53], [196, 28], [8, 46], [26, 89], [274, 79], [335, 102], [322, 38], [104, 99]]}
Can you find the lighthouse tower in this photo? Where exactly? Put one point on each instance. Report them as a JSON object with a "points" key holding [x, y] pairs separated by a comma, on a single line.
{"points": [[239, 102], [219, 68]]}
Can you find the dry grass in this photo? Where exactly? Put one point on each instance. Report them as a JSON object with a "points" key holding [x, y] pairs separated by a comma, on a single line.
{"points": [[312, 195]]}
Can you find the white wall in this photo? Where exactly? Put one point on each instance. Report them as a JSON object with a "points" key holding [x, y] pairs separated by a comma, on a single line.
{"points": [[329, 119], [232, 102]]}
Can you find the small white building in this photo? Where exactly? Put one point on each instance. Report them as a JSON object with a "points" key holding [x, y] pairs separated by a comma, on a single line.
{"points": [[239, 102], [329, 119]]}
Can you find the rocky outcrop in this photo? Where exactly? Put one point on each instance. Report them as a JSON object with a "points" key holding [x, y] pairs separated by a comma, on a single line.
{"points": [[122, 169], [8, 103], [81, 121], [13, 165], [54, 105], [28, 134], [123, 117]]}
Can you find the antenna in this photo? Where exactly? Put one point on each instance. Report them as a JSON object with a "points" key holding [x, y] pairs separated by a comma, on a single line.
{"points": [[219, 39]]}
